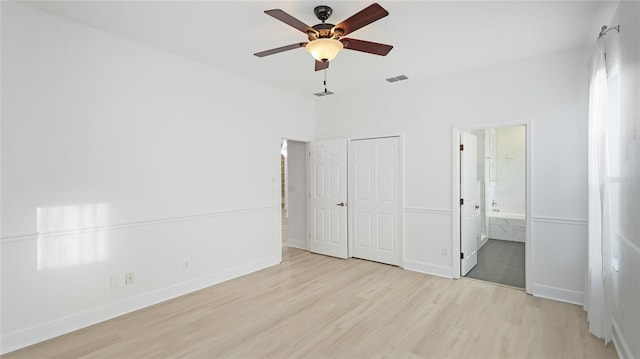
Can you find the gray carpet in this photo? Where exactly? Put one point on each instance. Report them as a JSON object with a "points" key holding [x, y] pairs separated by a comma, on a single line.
{"points": [[500, 262]]}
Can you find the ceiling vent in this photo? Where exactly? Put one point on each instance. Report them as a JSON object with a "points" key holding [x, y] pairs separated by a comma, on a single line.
{"points": [[397, 78], [323, 93]]}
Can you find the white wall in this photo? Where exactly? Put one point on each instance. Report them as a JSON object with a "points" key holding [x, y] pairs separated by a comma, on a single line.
{"points": [[624, 50], [297, 189], [118, 158], [550, 90]]}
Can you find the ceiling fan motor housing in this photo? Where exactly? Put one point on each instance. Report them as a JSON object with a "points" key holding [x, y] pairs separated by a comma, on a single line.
{"points": [[323, 12], [324, 31]]}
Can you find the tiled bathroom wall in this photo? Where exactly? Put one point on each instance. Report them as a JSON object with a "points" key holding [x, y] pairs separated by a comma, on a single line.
{"points": [[506, 189], [509, 196]]}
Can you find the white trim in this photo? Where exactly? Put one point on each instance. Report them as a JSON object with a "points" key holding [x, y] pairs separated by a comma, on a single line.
{"points": [[403, 246], [401, 204], [39, 333], [373, 137], [297, 243], [445, 212], [529, 239], [455, 201], [624, 352], [559, 294], [560, 220], [428, 268], [307, 235], [34, 236], [349, 210], [455, 159], [284, 191], [303, 140]]}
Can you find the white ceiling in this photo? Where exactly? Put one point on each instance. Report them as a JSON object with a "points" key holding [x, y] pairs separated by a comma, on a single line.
{"points": [[430, 38]]}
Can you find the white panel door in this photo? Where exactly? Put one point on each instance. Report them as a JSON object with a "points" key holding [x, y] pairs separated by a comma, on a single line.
{"points": [[469, 210], [375, 195], [328, 197]]}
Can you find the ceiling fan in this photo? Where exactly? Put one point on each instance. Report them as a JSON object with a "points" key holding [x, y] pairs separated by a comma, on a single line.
{"points": [[326, 40]]}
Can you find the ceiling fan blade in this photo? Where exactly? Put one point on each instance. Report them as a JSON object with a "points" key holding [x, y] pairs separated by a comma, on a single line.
{"points": [[321, 65], [280, 49], [366, 46], [363, 18], [290, 20]]}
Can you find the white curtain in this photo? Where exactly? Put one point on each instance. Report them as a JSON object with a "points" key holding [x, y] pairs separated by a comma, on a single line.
{"points": [[598, 291]]}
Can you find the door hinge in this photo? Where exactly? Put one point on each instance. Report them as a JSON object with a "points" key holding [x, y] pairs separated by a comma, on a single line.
{"points": [[461, 201], [461, 147], [461, 255]]}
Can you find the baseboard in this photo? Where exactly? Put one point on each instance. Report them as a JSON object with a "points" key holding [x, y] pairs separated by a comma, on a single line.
{"points": [[427, 268], [620, 343], [559, 294], [483, 240], [36, 334], [297, 243]]}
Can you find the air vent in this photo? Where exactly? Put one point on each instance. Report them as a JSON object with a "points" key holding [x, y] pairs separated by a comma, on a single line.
{"points": [[397, 78], [323, 93]]}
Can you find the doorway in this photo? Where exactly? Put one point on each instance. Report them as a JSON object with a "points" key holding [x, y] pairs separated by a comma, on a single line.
{"points": [[293, 189], [493, 187]]}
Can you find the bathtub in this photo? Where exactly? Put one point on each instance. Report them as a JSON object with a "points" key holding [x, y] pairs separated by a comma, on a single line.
{"points": [[507, 226]]}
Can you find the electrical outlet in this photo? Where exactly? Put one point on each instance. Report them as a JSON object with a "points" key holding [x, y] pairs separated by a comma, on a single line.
{"points": [[445, 252], [128, 279], [185, 265]]}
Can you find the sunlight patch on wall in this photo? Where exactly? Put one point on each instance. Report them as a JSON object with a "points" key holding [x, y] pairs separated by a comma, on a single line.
{"points": [[71, 235]]}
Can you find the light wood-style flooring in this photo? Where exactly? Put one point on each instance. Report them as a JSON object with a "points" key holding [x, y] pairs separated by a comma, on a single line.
{"points": [[314, 306]]}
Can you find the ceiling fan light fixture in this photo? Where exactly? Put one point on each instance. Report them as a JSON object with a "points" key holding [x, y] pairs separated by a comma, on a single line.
{"points": [[325, 49]]}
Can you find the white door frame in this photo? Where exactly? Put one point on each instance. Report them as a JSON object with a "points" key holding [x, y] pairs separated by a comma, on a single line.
{"points": [[287, 196], [350, 194], [306, 142], [455, 150]]}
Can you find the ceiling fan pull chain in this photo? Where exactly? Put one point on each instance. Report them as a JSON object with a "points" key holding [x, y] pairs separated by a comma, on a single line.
{"points": [[325, 80]]}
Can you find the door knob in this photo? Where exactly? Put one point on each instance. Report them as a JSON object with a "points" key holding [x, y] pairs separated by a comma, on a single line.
{"points": [[341, 204]]}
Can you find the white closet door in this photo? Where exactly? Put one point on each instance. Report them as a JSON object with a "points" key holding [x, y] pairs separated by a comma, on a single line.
{"points": [[375, 177]]}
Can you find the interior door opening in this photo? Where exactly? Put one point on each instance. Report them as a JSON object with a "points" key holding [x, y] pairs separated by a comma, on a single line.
{"points": [[293, 189], [493, 204]]}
